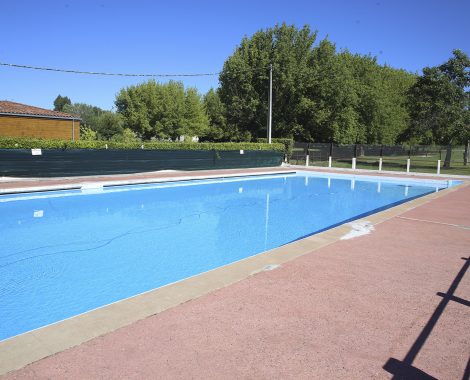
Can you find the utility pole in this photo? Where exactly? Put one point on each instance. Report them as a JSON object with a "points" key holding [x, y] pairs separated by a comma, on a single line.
{"points": [[270, 115]]}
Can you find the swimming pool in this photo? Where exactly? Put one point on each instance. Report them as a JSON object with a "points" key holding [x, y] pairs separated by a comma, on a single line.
{"points": [[63, 253]]}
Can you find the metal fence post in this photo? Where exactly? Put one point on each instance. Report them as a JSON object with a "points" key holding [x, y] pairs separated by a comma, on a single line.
{"points": [[380, 164], [329, 162], [408, 161], [438, 166], [354, 158], [466, 153], [307, 155]]}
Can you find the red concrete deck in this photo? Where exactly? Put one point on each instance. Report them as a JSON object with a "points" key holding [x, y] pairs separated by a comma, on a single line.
{"points": [[397, 298]]}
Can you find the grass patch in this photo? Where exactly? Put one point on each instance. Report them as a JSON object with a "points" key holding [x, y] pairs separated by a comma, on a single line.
{"points": [[418, 164]]}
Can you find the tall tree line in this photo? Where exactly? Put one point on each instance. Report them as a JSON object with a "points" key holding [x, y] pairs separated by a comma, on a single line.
{"points": [[320, 94]]}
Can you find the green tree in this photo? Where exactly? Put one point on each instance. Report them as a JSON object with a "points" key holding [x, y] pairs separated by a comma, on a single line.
{"points": [[105, 124], [162, 110], [244, 81], [318, 94], [109, 124], [439, 103], [60, 102], [88, 113], [166, 111], [196, 122], [215, 111], [327, 107], [381, 98]]}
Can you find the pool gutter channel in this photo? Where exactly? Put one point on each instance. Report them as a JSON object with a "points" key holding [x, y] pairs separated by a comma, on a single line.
{"points": [[21, 350]]}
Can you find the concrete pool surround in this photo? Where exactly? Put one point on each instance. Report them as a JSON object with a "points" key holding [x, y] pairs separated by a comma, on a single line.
{"points": [[26, 348]]}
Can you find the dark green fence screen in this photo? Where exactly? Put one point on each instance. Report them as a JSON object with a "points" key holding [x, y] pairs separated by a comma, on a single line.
{"points": [[74, 162]]}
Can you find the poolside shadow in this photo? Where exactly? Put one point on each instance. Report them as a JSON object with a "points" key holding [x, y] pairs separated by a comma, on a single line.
{"points": [[401, 370], [404, 369]]}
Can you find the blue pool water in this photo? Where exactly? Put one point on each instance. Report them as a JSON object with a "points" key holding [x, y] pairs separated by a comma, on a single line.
{"points": [[67, 252]]}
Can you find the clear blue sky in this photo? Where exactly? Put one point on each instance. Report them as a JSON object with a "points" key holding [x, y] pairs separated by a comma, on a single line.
{"points": [[197, 36]]}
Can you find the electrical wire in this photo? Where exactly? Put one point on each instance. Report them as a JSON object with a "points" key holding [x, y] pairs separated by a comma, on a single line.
{"points": [[103, 73], [114, 74]]}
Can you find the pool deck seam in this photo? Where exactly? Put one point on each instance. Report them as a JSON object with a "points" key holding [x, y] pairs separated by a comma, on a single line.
{"points": [[21, 350], [434, 222]]}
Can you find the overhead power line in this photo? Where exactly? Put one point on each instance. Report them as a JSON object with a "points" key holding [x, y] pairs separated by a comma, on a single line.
{"points": [[253, 70], [111, 74], [103, 73]]}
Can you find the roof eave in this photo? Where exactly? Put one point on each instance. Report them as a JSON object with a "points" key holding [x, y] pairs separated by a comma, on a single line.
{"points": [[40, 116]]}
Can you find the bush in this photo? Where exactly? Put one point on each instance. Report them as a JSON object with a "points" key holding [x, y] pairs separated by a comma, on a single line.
{"points": [[87, 134], [30, 143], [126, 136], [288, 144]]}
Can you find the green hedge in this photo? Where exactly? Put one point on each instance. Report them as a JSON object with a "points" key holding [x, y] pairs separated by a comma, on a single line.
{"points": [[288, 144], [28, 143]]}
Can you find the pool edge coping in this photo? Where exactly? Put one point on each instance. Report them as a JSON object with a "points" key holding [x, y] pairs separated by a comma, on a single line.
{"points": [[19, 351], [107, 182]]}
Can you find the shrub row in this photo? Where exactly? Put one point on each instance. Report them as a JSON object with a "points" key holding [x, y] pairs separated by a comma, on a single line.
{"points": [[288, 144], [29, 143]]}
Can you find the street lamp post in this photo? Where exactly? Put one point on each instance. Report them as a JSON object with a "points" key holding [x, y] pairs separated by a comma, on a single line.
{"points": [[270, 115]]}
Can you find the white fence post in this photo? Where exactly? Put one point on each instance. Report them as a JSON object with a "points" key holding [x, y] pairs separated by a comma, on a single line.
{"points": [[380, 164], [354, 163], [438, 166], [408, 161], [307, 160], [329, 162]]}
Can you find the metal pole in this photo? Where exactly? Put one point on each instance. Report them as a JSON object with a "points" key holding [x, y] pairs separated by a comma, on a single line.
{"points": [[270, 116]]}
